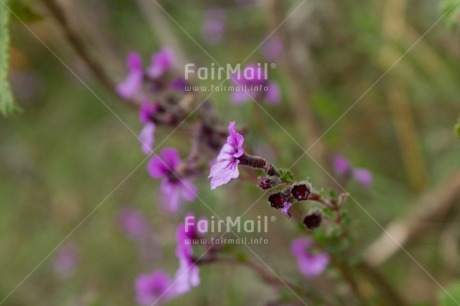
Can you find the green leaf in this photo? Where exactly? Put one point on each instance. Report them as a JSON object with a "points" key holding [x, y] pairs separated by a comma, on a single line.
{"points": [[286, 175], [7, 105], [450, 296]]}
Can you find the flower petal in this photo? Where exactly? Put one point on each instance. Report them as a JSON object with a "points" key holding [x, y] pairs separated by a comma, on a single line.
{"points": [[131, 85], [171, 158], [147, 138]]}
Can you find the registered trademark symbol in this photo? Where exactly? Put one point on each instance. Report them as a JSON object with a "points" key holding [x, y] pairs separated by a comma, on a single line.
{"points": [[273, 218], [273, 66]]}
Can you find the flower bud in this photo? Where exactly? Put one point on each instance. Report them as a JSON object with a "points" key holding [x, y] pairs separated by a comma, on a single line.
{"points": [[277, 200], [266, 182], [301, 191], [313, 220]]}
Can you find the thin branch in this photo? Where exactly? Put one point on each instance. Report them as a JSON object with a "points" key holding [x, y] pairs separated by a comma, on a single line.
{"points": [[79, 46]]}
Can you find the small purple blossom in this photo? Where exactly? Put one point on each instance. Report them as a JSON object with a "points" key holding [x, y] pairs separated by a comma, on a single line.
{"points": [[273, 48], [153, 288], [341, 165], [310, 264], [344, 168], [162, 62], [213, 25], [133, 223], [133, 81], [173, 188], [363, 176], [226, 166], [252, 84], [66, 259], [187, 276]]}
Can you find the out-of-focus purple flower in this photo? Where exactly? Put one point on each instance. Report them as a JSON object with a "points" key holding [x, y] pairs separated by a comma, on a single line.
{"points": [[310, 264], [187, 276], [273, 48], [147, 134], [173, 188], [252, 84], [286, 209], [226, 166], [153, 288], [343, 167], [66, 259], [162, 62], [363, 176], [133, 223], [213, 25], [133, 81]]}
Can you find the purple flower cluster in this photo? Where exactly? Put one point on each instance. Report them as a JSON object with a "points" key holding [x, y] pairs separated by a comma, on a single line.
{"points": [[344, 168], [310, 263], [158, 287], [162, 62], [173, 187], [252, 84]]}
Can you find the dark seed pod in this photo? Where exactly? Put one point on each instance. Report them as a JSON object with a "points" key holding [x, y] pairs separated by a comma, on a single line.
{"points": [[301, 191], [277, 200], [313, 220]]}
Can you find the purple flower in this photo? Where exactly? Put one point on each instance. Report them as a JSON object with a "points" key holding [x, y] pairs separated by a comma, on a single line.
{"points": [[133, 223], [310, 264], [153, 288], [226, 166], [273, 48], [187, 276], [341, 165], [162, 62], [363, 176], [133, 81], [286, 209], [213, 25], [344, 168], [252, 84], [173, 188], [66, 260]]}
